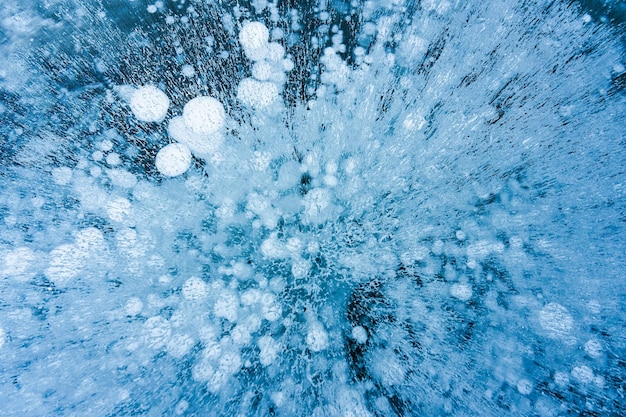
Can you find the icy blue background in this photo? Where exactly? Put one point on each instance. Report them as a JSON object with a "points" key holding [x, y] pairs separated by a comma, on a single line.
{"points": [[475, 231]]}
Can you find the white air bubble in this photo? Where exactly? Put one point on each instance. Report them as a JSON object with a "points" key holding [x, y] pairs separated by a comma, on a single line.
{"points": [[583, 374], [195, 289], [18, 264], [201, 145], [268, 350], [133, 306], [188, 71], [149, 104], [226, 306], [555, 319], [524, 386], [204, 115], [157, 332], [257, 94], [462, 292], [317, 337], [119, 209], [173, 160], [359, 334], [262, 70], [66, 262], [62, 175], [593, 348], [179, 345], [254, 37]]}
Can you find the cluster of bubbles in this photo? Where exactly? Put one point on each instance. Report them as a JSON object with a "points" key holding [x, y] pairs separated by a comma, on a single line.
{"points": [[350, 209]]}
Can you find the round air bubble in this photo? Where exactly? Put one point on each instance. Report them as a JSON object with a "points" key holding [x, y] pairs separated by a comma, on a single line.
{"points": [[268, 350], [195, 289], [156, 332], [275, 52], [173, 160], [200, 145], [66, 262], [119, 209], [555, 319], [583, 374], [149, 104], [257, 94], [133, 306], [462, 292], [262, 70], [524, 386], [18, 264], [359, 334], [204, 115], [254, 37], [317, 338]]}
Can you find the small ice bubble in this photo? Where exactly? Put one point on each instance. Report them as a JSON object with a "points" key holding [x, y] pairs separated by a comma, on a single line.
{"points": [[317, 337], [254, 37], [95, 171], [149, 104], [227, 306], [97, 156], [593, 348], [66, 261], [90, 239], [583, 374], [195, 289], [121, 178], [271, 312], [179, 345], [202, 371], [188, 70], [288, 65], [462, 292], [133, 306], [173, 160], [561, 379], [300, 268], [262, 70], [181, 407], [156, 331], [460, 235], [151, 9], [105, 145], [230, 363], [275, 52], [257, 94], [18, 264], [268, 350], [119, 209], [524, 386], [201, 145], [586, 18], [62, 175], [359, 334], [555, 319], [113, 159], [250, 297]]}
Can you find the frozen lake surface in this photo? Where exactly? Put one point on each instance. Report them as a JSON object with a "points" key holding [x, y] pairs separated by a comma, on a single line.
{"points": [[376, 208]]}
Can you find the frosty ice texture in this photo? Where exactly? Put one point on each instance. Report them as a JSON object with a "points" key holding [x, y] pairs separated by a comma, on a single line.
{"points": [[369, 209]]}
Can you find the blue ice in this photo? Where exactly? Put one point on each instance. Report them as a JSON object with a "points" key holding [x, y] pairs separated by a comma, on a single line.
{"points": [[268, 208]]}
